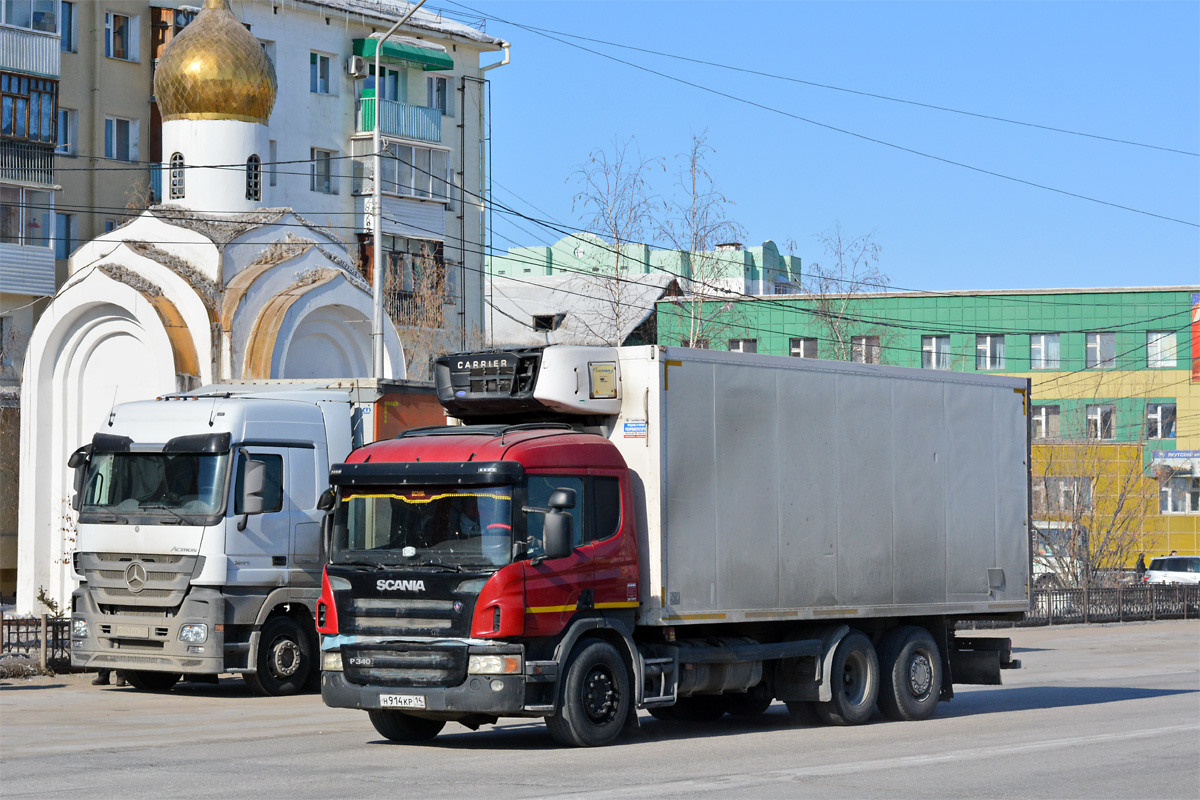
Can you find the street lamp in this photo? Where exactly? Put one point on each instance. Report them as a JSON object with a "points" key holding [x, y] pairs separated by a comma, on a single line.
{"points": [[377, 196]]}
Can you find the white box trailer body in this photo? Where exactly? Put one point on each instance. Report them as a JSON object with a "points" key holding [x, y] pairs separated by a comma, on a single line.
{"points": [[782, 488]]}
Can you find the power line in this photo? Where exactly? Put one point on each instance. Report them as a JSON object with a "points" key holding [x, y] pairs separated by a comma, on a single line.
{"points": [[873, 95], [848, 132]]}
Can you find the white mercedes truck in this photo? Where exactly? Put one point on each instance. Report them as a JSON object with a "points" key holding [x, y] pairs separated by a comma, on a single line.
{"points": [[199, 546]]}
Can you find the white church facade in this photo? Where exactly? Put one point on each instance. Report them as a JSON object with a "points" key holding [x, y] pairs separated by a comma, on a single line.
{"points": [[208, 287]]}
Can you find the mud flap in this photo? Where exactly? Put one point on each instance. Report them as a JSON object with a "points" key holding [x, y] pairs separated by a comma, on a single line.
{"points": [[979, 660]]}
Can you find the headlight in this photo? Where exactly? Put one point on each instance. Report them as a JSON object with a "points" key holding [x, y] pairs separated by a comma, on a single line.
{"points": [[193, 633], [331, 661], [79, 629], [493, 665]]}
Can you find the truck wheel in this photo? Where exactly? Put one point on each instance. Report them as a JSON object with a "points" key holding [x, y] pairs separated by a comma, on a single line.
{"points": [[854, 681], [750, 703], [284, 659], [595, 697], [151, 681], [397, 726], [911, 679]]}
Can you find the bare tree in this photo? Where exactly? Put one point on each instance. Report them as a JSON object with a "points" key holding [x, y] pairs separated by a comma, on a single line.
{"points": [[835, 287], [1092, 504], [615, 200], [697, 222]]}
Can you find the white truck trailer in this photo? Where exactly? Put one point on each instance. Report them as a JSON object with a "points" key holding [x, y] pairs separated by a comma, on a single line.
{"points": [[686, 531], [199, 547]]}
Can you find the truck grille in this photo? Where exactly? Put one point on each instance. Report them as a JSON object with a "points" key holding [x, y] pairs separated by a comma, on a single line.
{"points": [[404, 665], [160, 581], [404, 617]]}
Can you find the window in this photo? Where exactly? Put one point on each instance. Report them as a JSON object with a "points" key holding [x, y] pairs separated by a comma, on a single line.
{"points": [[1179, 496], [27, 107], [272, 493], [1160, 349], [65, 143], [176, 176], [67, 27], [273, 156], [1056, 495], [110, 225], [393, 87], [548, 322], [1101, 351], [989, 351], [34, 15], [1100, 421], [935, 352], [254, 178], [1160, 420], [404, 169], [743, 345], [596, 515], [1045, 422], [318, 73], [864, 349], [120, 36], [25, 216], [65, 235], [441, 95], [120, 139], [1043, 351], [803, 347], [322, 171]]}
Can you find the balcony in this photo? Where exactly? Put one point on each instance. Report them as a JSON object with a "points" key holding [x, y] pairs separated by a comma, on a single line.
{"points": [[22, 162], [401, 120], [31, 52]]}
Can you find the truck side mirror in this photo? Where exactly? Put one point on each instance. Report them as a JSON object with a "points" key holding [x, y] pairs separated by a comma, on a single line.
{"points": [[556, 531], [325, 501], [562, 498], [78, 462], [254, 475]]}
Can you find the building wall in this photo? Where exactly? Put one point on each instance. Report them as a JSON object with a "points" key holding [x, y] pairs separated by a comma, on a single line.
{"points": [[901, 320]]}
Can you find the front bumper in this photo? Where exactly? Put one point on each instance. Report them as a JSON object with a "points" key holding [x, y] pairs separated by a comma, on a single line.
{"points": [[493, 695], [151, 643]]}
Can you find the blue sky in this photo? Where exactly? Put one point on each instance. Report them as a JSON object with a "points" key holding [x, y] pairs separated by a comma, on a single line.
{"points": [[1120, 70]]}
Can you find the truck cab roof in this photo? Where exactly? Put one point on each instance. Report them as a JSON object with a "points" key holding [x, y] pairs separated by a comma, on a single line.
{"points": [[535, 446]]}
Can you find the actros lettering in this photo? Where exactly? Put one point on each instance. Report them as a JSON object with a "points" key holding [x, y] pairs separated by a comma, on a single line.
{"points": [[404, 586]]}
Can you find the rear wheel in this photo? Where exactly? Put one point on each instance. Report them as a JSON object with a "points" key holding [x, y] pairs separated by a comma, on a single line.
{"points": [[854, 682], [151, 681], [284, 659], [595, 697], [397, 726], [911, 674]]}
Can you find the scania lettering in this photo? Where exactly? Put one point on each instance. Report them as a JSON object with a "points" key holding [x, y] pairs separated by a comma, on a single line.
{"points": [[689, 532], [199, 545]]}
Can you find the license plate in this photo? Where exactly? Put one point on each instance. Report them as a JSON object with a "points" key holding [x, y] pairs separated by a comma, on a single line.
{"points": [[131, 631], [401, 701]]}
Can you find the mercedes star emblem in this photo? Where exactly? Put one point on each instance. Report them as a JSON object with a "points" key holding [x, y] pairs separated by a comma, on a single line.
{"points": [[135, 576]]}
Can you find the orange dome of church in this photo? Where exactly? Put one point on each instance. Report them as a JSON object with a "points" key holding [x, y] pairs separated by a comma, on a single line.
{"points": [[215, 69]]}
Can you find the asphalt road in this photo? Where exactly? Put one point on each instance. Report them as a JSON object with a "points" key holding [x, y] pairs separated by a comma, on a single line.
{"points": [[1097, 711]]}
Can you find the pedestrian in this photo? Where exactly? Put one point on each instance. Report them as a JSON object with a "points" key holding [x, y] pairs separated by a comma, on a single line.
{"points": [[1173, 553], [1140, 569], [102, 678]]}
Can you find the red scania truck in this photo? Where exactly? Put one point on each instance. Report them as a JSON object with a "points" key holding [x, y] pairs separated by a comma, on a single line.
{"points": [[689, 532]]}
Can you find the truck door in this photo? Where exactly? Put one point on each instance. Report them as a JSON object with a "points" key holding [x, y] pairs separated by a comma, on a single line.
{"points": [[258, 554], [304, 560], [554, 589]]}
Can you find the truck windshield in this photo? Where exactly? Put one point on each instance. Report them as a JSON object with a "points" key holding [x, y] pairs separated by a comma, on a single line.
{"points": [[187, 486], [453, 526]]}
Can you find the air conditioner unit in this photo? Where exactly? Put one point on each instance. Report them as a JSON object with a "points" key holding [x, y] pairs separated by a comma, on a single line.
{"points": [[356, 66]]}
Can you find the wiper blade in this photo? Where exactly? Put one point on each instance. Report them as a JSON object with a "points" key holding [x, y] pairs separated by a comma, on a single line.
{"points": [[169, 510]]}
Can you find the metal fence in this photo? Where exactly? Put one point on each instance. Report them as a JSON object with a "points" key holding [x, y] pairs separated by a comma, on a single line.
{"points": [[44, 639], [1123, 604]]}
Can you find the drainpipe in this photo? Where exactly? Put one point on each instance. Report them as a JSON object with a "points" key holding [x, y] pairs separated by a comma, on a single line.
{"points": [[377, 195], [485, 172]]}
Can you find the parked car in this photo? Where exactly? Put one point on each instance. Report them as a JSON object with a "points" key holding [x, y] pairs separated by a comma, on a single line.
{"points": [[1174, 569]]}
